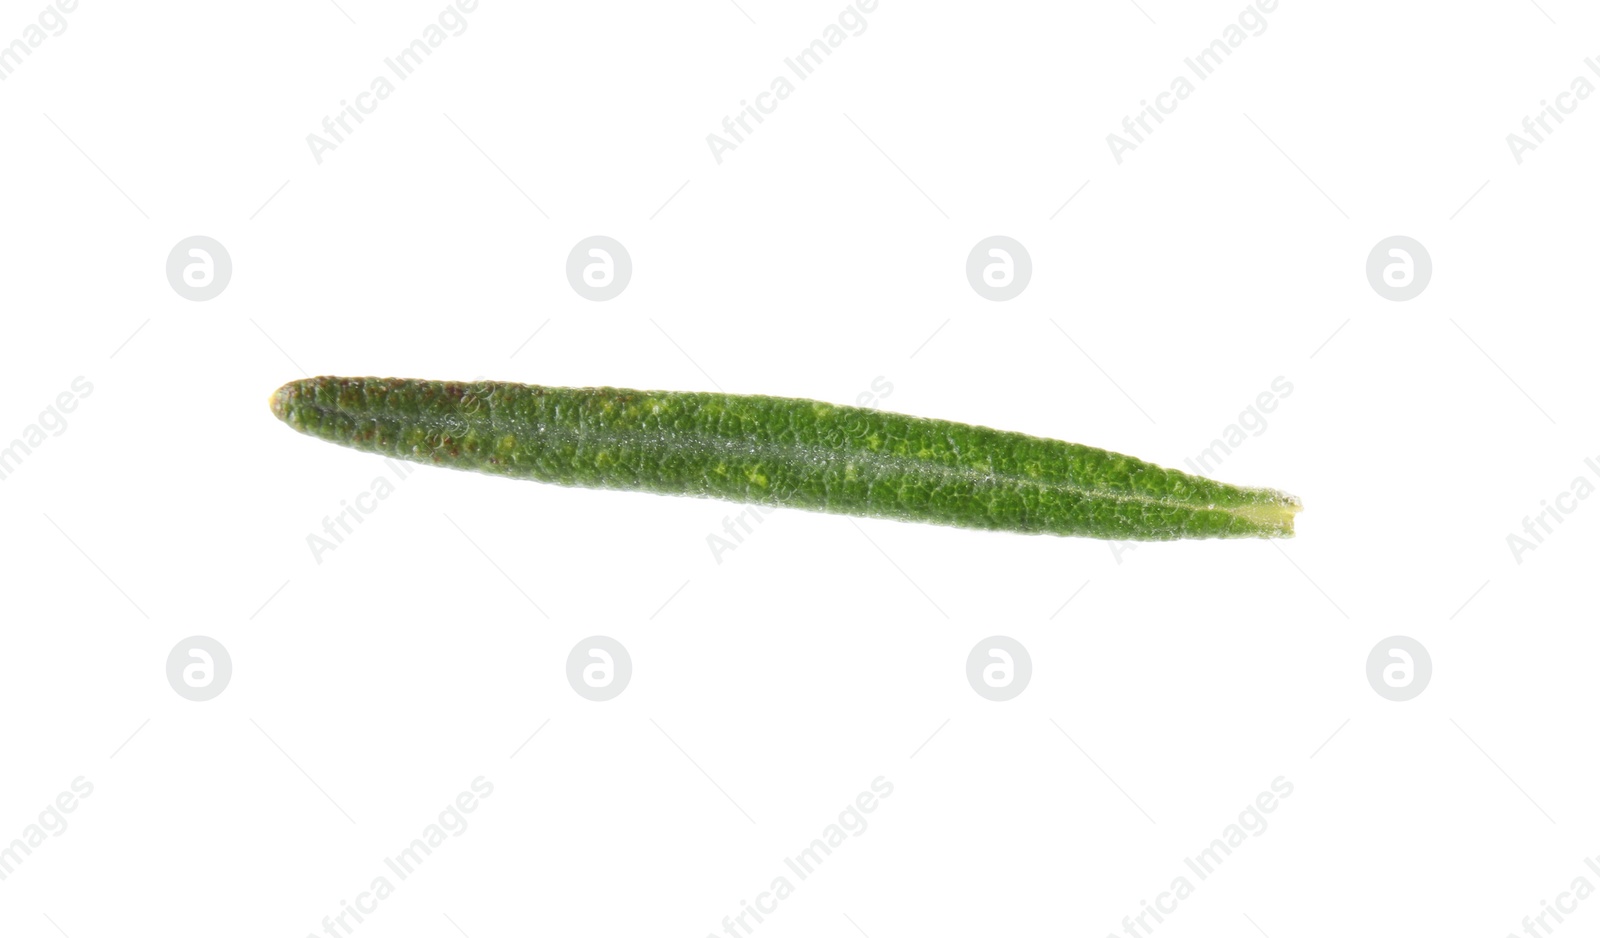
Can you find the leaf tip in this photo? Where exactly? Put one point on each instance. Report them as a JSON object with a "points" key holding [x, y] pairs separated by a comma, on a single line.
{"points": [[281, 399]]}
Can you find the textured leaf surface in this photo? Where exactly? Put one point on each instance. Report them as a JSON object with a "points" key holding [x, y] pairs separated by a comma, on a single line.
{"points": [[782, 452]]}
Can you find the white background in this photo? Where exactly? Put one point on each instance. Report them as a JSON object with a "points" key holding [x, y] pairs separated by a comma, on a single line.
{"points": [[771, 688]]}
